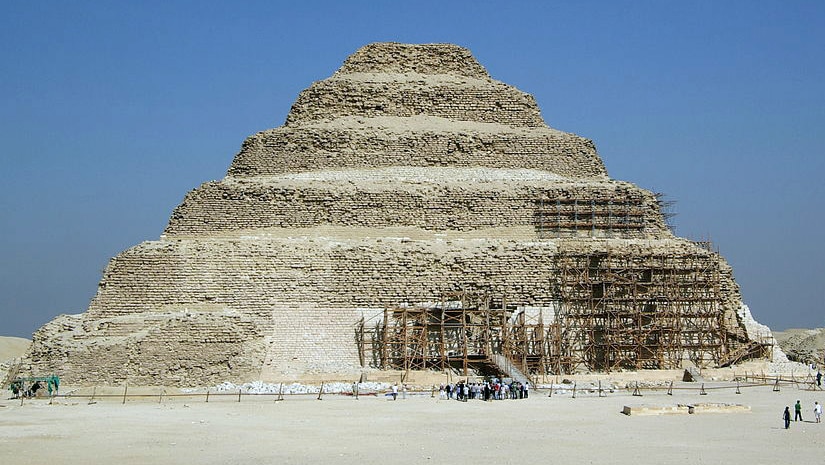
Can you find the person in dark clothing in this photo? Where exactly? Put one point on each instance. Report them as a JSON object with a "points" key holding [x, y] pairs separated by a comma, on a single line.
{"points": [[798, 412], [32, 391], [818, 378], [787, 417]]}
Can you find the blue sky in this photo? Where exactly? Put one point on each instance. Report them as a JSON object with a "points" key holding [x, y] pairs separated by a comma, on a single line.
{"points": [[112, 111]]}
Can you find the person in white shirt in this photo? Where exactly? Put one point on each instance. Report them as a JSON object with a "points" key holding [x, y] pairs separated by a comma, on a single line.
{"points": [[817, 411]]}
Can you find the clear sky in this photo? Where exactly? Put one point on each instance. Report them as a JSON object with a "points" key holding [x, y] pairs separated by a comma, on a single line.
{"points": [[111, 111]]}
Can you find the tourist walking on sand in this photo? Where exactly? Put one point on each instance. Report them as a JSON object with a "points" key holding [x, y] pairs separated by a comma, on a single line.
{"points": [[817, 411], [395, 391], [787, 417], [797, 412], [818, 378]]}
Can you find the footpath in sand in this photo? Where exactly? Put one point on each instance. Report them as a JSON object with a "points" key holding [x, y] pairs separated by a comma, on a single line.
{"points": [[419, 429]]}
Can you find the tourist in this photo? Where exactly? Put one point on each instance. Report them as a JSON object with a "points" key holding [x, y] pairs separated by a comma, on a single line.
{"points": [[819, 378], [787, 417], [798, 411], [526, 389], [442, 392], [395, 391], [817, 411]]}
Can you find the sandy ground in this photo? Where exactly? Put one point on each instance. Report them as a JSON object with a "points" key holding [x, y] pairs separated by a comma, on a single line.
{"points": [[13, 347], [419, 429]]}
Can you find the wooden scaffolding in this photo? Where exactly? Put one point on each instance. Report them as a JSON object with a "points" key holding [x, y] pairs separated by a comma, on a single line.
{"points": [[638, 312], [613, 311], [460, 332], [602, 216]]}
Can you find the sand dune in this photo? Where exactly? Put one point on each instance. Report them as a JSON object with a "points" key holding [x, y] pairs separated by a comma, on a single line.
{"points": [[12, 347]]}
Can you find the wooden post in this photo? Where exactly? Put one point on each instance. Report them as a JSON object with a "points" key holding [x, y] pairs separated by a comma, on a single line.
{"points": [[239, 395], [125, 389], [280, 393], [92, 399], [207, 396], [321, 391], [574, 389]]}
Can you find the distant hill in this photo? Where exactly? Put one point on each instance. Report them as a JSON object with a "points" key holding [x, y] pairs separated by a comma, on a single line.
{"points": [[803, 345], [12, 347]]}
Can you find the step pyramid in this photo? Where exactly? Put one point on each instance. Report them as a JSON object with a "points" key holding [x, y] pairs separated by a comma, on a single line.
{"points": [[408, 174]]}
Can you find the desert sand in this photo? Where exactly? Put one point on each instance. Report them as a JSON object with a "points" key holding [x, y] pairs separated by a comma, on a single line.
{"points": [[419, 429], [12, 347]]}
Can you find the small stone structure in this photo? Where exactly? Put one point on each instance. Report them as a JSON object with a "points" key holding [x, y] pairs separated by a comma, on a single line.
{"points": [[407, 175], [702, 407]]}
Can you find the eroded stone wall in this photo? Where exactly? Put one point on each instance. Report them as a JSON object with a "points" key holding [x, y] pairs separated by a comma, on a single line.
{"points": [[492, 103], [245, 204], [288, 149], [421, 59]]}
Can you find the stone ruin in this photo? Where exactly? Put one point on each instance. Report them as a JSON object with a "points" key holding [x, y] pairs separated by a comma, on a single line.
{"points": [[411, 213]]}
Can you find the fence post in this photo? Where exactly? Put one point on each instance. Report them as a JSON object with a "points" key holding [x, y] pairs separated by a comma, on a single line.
{"points": [[125, 390], [321, 391]]}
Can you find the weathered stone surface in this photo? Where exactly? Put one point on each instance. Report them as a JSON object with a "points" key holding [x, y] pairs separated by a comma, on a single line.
{"points": [[349, 142], [407, 174], [430, 199]]}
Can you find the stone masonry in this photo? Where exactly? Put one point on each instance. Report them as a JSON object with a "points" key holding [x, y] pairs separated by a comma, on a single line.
{"points": [[408, 174]]}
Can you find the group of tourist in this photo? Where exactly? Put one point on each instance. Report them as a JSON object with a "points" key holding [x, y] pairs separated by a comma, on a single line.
{"points": [[488, 390], [786, 415]]}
